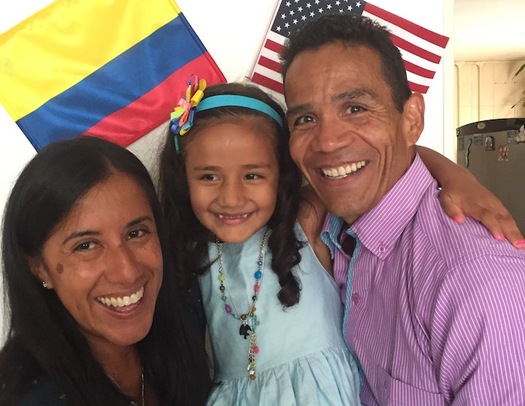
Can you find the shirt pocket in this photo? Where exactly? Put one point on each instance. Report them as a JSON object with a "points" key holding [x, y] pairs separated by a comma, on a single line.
{"points": [[393, 392]]}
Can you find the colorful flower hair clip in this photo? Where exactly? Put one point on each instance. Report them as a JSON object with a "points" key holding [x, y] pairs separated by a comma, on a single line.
{"points": [[182, 115]]}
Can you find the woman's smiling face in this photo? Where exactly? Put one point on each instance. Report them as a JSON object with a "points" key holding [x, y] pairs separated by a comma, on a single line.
{"points": [[104, 262]]}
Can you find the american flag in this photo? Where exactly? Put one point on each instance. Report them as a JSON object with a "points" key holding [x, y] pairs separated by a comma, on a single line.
{"points": [[421, 48]]}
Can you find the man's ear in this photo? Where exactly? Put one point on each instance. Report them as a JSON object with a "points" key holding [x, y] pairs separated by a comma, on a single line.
{"points": [[414, 118], [39, 269]]}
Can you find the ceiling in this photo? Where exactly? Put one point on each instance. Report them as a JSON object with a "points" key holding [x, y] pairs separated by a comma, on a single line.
{"points": [[489, 30]]}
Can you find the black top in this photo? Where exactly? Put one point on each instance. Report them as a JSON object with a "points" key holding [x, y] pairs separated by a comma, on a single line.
{"points": [[43, 393]]}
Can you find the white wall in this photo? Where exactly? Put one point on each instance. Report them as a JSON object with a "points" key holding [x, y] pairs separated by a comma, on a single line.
{"points": [[232, 31]]}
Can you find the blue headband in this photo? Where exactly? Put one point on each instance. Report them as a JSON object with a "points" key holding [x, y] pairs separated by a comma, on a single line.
{"points": [[232, 100]]}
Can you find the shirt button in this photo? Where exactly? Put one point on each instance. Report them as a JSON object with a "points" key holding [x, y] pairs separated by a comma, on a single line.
{"points": [[355, 298], [382, 248]]}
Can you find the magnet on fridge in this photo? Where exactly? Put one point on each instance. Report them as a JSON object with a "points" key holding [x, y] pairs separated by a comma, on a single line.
{"points": [[511, 136], [520, 136], [503, 153], [478, 139], [489, 143]]}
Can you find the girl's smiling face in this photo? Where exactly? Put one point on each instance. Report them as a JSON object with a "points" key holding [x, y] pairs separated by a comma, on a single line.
{"points": [[232, 173]]}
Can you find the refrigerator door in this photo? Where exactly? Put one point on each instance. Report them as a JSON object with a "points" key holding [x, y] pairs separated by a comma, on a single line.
{"points": [[494, 151]]}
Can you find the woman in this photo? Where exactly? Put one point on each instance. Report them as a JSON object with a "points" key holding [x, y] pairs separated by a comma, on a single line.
{"points": [[93, 318]]}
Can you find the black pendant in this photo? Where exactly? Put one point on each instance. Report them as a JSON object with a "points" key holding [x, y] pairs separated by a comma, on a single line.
{"points": [[244, 330]]}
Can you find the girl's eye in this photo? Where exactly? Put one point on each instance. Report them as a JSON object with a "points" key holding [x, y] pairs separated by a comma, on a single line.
{"points": [[252, 176], [209, 176]]}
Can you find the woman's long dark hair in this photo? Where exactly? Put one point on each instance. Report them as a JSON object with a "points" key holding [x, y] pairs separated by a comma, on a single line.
{"points": [[44, 341], [186, 231]]}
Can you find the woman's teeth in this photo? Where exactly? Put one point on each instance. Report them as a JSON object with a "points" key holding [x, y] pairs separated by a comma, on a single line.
{"points": [[122, 301]]}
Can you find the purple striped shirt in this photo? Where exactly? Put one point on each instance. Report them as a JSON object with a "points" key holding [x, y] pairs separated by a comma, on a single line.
{"points": [[435, 311]]}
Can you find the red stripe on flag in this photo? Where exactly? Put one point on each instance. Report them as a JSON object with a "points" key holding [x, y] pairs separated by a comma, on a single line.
{"points": [[414, 49], [270, 64], [273, 46], [268, 83], [407, 25], [418, 70], [416, 87], [149, 111]]}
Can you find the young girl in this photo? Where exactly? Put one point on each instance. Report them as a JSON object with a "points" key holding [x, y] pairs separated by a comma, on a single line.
{"points": [[232, 196]]}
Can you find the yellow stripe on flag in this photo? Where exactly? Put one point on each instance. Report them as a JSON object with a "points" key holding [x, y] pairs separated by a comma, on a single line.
{"points": [[66, 37]]}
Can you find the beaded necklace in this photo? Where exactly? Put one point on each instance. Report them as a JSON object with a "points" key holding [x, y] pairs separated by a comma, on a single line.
{"points": [[249, 319]]}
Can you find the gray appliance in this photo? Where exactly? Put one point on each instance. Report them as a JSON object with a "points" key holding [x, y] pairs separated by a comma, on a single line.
{"points": [[494, 151]]}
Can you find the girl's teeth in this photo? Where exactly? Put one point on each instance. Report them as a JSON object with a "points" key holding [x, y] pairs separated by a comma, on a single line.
{"points": [[224, 216]]}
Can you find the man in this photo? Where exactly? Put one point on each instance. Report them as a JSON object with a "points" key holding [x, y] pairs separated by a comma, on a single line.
{"points": [[434, 312]]}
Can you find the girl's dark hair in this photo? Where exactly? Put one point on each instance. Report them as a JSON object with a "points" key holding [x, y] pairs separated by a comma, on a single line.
{"points": [[44, 341], [190, 237], [351, 31]]}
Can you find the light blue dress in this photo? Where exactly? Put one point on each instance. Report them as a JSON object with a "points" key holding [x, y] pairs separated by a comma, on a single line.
{"points": [[303, 359]]}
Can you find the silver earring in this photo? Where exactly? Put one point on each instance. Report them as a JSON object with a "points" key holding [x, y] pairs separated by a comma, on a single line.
{"points": [[44, 284]]}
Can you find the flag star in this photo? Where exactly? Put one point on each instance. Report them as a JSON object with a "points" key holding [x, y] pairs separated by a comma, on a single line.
{"points": [[286, 25], [300, 9], [316, 1], [349, 8], [297, 1], [303, 18], [329, 7], [337, 3], [308, 5], [278, 29], [358, 4], [341, 10], [312, 14], [283, 16], [295, 21], [292, 12], [320, 11], [288, 4]]}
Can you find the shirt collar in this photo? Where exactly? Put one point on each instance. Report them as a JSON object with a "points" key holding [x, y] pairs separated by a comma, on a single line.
{"points": [[379, 228], [330, 232]]}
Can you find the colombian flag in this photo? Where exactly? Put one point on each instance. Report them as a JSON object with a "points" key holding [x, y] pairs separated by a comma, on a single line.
{"points": [[108, 68]]}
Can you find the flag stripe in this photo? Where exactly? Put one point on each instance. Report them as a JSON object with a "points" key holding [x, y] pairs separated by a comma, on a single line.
{"points": [[407, 46], [101, 93], [262, 70], [71, 44], [274, 46], [418, 70], [409, 26], [409, 37], [416, 87], [277, 42], [269, 83], [145, 114], [270, 64]]}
